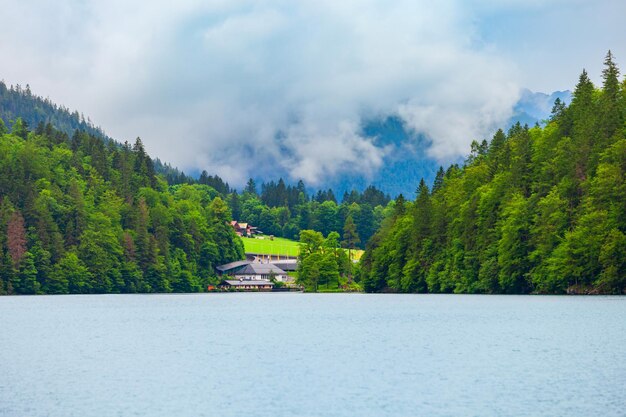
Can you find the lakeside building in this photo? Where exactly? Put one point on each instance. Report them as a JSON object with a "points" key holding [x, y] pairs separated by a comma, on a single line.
{"points": [[287, 265], [231, 268], [260, 271], [254, 285], [251, 270]]}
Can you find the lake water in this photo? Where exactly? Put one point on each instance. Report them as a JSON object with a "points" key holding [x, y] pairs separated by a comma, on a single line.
{"points": [[312, 355]]}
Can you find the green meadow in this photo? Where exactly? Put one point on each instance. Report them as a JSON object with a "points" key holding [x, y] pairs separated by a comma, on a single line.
{"points": [[279, 246]]}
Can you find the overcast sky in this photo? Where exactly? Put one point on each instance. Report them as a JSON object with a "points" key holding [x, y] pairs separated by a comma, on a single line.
{"points": [[238, 87]]}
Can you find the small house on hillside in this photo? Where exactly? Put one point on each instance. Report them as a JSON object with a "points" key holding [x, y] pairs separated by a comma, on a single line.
{"points": [[243, 229]]}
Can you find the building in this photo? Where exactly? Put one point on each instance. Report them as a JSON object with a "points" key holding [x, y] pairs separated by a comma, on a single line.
{"points": [[250, 270], [260, 271], [243, 229], [231, 268], [287, 265], [248, 285]]}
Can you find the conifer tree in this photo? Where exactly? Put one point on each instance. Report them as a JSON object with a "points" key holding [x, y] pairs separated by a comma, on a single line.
{"points": [[350, 240], [438, 183], [250, 187], [611, 119], [28, 283]]}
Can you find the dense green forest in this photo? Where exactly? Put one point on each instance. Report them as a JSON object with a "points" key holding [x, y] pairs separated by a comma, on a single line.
{"points": [[81, 215], [276, 208], [327, 263], [536, 210], [16, 101], [284, 210], [539, 209]]}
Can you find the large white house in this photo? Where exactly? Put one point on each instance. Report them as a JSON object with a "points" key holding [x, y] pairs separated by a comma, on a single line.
{"points": [[253, 271], [261, 271]]}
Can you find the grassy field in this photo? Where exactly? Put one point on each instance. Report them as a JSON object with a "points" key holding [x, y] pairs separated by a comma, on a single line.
{"points": [[279, 246]]}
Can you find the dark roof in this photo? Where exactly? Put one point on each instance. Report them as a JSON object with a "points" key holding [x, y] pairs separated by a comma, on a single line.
{"points": [[256, 268], [237, 283], [232, 265], [287, 266]]}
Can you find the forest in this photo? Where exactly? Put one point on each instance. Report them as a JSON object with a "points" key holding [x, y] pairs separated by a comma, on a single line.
{"points": [[285, 210], [20, 102], [535, 210], [84, 215], [81, 213]]}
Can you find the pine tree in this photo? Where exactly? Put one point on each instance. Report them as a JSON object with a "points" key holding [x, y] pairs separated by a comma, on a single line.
{"points": [[438, 183], [611, 119], [400, 207], [350, 241], [28, 283], [250, 187], [20, 128], [235, 205], [498, 159], [582, 112]]}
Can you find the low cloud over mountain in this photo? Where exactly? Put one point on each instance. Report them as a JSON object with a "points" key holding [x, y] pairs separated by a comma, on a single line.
{"points": [[243, 88]]}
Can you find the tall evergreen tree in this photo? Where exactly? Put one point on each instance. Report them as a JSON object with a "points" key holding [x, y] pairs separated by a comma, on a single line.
{"points": [[350, 240], [611, 119]]}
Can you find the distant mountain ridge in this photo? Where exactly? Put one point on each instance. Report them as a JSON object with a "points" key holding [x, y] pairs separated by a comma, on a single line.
{"points": [[403, 166], [408, 160], [536, 210], [35, 111], [535, 107], [16, 101]]}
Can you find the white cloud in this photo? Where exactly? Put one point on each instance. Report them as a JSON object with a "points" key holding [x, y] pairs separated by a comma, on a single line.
{"points": [[241, 87]]}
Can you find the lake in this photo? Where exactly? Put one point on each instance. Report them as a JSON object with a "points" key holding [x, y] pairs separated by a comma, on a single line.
{"points": [[292, 354]]}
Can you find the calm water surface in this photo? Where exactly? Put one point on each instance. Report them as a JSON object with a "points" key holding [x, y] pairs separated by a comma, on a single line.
{"points": [[312, 355]]}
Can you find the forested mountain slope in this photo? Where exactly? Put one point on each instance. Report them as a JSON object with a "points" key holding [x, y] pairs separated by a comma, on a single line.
{"points": [[535, 210], [16, 101], [85, 215], [36, 112]]}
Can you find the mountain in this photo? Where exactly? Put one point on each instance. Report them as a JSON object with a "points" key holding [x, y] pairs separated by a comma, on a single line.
{"points": [[534, 107], [403, 166], [16, 101], [275, 207], [37, 112], [81, 213], [539, 209], [408, 161]]}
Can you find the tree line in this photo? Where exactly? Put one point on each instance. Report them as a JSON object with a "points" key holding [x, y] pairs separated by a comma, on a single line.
{"points": [[17, 101], [285, 210], [535, 210], [41, 113], [326, 263], [81, 214]]}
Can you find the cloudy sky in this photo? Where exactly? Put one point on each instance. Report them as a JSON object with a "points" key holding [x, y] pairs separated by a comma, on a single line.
{"points": [[242, 87]]}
